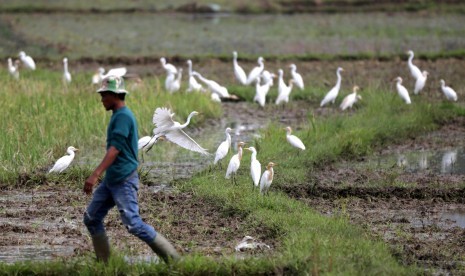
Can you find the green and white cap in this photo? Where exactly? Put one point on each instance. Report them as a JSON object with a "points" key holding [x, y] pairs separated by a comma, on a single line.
{"points": [[113, 84]]}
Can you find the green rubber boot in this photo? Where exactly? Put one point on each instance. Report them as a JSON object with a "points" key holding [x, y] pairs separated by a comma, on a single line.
{"points": [[164, 249], [101, 247]]}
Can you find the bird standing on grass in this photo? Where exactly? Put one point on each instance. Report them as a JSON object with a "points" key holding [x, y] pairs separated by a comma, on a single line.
{"points": [[166, 126], [450, 94], [260, 92], [414, 70], [13, 69], [66, 73], [267, 178], [27, 61], [64, 162], [332, 94], [169, 68], [284, 91], [223, 148], [420, 82], [293, 140], [234, 163], [238, 71], [256, 71], [299, 82], [255, 167], [402, 91], [194, 85], [350, 99]]}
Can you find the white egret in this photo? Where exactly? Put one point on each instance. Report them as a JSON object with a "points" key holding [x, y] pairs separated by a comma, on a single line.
{"points": [[256, 71], [299, 82], [97, 76], [255, 167], [414, 70], [332, 94], [100, 74], [238, 71], [281, 82], [450, 94], [146, 143], [223, 148], [267, 77], [402, 91], [214, 97], [213, 86], [293, 140], [13, 69], [420, 82], [284, 91], [64, 162], [169, 68], [27, 61], [175, 83], [350, 99], [66, 73], [267, 178], [193, 84], [260, 92], [166, 126], [234, 163]]}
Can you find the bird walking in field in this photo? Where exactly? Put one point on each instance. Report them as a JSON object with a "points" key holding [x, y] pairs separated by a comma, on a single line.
{"points": [[173, 131], [66, 73], [213, 86], [420, 82], [350, 99], [234, 163], [256, 71], [260, 92], [255, 167], [293, 140], [267, 178], [284, 91], [450, 94], [299, 82], [238, 71], [13, 68], [64, 162], [332, 94], [169, 68], [28, 62], [414, 70], [224, 147], [402, 91]]}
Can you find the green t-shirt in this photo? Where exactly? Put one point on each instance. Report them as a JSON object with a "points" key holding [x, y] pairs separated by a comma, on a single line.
{"points": [[122, 134]]}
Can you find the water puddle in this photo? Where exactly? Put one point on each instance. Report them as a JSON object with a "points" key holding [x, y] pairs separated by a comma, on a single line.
{"points": [[11, 254], [456, 217]]}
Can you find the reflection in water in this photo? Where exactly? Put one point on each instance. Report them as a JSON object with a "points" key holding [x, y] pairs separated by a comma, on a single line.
{"points": [[448, 160], [423, 161], [457, 216], [402, 161]]}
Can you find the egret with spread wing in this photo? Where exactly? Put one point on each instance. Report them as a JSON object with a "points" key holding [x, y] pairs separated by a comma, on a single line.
{"points": [[172, 130], [64, 162]]}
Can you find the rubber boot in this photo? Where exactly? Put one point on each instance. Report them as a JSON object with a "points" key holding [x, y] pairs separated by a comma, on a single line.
{"points": [[164, 249], [101, 247]]}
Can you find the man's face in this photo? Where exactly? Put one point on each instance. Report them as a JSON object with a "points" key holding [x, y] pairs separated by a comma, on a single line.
{"points": [[108, 100]]}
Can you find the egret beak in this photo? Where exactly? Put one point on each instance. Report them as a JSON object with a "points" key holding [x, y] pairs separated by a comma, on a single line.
{"points": [[76, 149]]}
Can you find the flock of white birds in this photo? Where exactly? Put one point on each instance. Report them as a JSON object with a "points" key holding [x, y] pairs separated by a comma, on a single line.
{"points": [[168, 129]]}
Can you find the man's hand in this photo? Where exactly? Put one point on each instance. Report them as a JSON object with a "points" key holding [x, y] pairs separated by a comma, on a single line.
{"points": [[89, 184]]}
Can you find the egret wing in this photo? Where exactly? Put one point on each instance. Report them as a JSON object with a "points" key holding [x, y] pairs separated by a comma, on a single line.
{"points": [[180, 138], [162, 119], [120, 71]]}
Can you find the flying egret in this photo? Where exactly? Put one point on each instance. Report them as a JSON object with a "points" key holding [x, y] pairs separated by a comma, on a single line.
{"points": [[100, 74], [293, 140], [234, 163], [213, 86], [169, 68], [27, 61], [332, 94], [223, 148], [284, 91], [267, 178], [260, 92], [238, 71], [420, 82], [414, 70], [256, 71], [174, 84], [299, 82], [255, 167], [402, 91], [66, 73], [166, 126], [13, 69], [350, 99], [63, 163], [450, 94], [193, 84]]}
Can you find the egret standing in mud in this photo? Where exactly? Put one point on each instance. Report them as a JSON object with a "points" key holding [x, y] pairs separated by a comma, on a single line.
{"points": [[64, 162], [234, 163], [267, 178], [172, 130], [293, 140], [414, 70], [299, 82], [238, 71], [224, 147], [255, 167], [332, 94]]}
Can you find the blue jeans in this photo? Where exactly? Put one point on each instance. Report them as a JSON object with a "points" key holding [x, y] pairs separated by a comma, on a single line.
{"points": [[124, 196]]}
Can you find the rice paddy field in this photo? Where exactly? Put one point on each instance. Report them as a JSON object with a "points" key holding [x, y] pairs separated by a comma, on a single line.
{"points": [[377, 191]]}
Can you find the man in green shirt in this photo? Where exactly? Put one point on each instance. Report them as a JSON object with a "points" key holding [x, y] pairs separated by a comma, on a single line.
{"points": [[121, 182]]}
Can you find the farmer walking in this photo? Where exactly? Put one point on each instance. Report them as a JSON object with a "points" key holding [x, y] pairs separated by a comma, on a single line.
{"points": [[121, 181]]}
